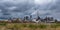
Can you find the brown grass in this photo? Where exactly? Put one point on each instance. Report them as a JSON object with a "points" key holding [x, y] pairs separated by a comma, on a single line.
{"points": [[30, 26]]}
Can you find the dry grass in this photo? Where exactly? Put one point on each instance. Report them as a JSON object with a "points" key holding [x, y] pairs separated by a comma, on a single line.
{"points": [[30, 26]]}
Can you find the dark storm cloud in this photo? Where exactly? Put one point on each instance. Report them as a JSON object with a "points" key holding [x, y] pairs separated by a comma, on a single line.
{"points": [[15, 7], [19, 8]]}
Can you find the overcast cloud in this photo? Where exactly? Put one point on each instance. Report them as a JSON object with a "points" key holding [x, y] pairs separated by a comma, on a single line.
{"points": [[20, 8]]}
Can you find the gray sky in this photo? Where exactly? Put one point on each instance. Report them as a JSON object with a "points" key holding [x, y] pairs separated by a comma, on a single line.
{"points": [[20, 8]]}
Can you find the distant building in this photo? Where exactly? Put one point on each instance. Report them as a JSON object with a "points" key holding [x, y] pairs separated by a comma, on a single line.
{"points": [[37, 20], [49, 19]]}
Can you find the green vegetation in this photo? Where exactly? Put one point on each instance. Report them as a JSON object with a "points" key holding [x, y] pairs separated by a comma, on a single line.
{"points": [[55, 25], [32, 26], [2, 24], [29, 26], [42, 26]]}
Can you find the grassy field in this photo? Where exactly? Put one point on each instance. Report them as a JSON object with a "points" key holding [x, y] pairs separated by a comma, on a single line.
{"points": [[29, 26]]}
